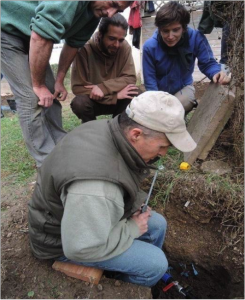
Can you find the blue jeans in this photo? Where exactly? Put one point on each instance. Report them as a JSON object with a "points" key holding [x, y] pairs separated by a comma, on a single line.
{"points": [[144, 263], [41, 127]]}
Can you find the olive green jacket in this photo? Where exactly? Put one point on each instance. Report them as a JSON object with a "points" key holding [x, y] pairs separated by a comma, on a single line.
{"points": [[96, 150]]}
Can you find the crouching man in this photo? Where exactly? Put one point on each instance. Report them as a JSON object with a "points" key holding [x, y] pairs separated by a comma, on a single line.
{"points": [[103, 72], [86, 204]]}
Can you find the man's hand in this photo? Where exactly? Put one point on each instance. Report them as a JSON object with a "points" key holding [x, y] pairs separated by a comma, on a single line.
{"points": [[44, 95], [60, 91], [96, 93], [141, 220], [127, 92], [221, 78]]}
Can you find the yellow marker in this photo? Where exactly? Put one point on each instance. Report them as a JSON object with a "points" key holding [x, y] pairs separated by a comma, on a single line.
{"points": [[184, 166]]}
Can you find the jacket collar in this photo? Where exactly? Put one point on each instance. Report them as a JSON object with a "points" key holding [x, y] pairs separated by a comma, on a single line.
{"points": [[127, 151]]}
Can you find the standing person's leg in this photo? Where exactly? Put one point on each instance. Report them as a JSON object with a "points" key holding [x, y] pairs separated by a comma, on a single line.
{"points": [[53, 114], [187, 98], [144, 263], [33, 120]]}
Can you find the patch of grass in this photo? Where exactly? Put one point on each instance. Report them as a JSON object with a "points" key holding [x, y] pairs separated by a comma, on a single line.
{"points": [[171, 164], [104, 117], [15, 159], [70, 120], [173, 159], [163, 191]]}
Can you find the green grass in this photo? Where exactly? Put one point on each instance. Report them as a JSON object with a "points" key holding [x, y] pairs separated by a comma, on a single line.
{"points": [[173, 158], [70, 120], [17, 165]]}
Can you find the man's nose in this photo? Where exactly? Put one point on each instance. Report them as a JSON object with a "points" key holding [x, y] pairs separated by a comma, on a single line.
{"points": [[171, 35], [111, 12], [117, 44]]}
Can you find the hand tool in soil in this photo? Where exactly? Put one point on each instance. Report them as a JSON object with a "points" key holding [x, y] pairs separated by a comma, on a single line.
{"points": [[144, 207], [186, 292]]}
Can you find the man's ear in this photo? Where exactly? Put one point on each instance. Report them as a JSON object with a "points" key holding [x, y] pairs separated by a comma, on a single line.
{"points": [[134, 135]]}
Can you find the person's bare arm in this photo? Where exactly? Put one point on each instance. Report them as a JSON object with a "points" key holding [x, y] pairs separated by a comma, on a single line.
{"points": [[39, 54], [66, 58]]}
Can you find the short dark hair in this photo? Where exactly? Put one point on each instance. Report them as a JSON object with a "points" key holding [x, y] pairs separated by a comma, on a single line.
{"points": [[172, 12], [116, 20], [127, 123]]}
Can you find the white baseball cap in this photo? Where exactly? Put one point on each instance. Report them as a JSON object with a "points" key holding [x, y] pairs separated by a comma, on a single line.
{"points": [[163, 112]]}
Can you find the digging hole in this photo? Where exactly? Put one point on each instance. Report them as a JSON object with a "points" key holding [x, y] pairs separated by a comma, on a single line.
{"points": [[211, 282]]}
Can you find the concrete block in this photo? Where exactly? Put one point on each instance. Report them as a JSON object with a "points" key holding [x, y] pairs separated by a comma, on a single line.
{"points": [[88, 274], [209, 119]]}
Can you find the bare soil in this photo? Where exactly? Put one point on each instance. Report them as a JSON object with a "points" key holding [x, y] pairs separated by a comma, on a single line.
{"points": [[194, 239]]}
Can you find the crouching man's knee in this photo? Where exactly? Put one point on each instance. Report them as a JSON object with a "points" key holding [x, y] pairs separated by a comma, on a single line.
{"points": [[80, 104], [160, 268], [156, 268]]}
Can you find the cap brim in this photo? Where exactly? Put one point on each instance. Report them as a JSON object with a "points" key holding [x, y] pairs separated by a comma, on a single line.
{"points": [[182, 141]]}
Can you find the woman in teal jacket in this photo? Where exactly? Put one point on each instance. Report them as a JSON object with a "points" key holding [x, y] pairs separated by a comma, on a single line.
{"points": [[169, 56]]}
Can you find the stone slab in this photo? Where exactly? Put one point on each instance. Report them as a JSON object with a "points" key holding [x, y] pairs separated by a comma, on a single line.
{"points": [[209, 118], [226, 116]]}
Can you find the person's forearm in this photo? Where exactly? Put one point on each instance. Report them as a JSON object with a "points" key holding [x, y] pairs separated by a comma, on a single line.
{"points": [[39, 54], [66, 58]]}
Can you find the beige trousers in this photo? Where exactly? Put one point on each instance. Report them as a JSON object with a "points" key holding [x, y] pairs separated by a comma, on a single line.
{"points": [[187, 97]]}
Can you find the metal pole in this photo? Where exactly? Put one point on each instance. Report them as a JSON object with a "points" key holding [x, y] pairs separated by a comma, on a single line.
{"points": [[144, 208]]}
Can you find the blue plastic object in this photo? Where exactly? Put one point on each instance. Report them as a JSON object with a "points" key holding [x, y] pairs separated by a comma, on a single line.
{"points": [[166, 277]]}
